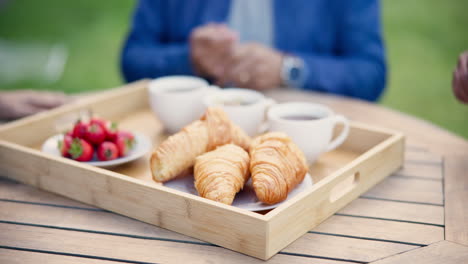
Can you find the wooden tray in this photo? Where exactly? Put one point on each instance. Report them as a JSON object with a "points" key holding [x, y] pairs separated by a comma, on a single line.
{"points": [[368, 155]]}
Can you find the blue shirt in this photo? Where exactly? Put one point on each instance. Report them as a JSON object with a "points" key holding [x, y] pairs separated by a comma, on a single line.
{"points": [[339, 41]]}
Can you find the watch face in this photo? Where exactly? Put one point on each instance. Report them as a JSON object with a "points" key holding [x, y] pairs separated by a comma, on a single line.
{"points": [[294, 74]]}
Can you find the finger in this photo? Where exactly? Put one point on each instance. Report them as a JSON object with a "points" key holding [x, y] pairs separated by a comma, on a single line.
{"points": [[203, 34], [261, 80], [47, 100], [214, 35], [239, 71], [223, 60], [461, 96], [463, 63], [244, 73], [464, 56], [460, 91], [223, 31], [463, 91], [208, 50], [240, 53], [237, 54], [23, 110]]}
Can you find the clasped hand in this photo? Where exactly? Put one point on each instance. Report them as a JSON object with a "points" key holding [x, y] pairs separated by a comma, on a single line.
{"points": [[217, 54]]}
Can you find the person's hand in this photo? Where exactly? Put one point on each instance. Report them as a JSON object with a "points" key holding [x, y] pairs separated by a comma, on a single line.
{"points": [[460, 78], [17, 104], [253, 65], [210, 45]]}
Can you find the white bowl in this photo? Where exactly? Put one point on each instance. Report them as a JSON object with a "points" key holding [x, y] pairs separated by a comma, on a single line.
{"points": [[142, 146]]}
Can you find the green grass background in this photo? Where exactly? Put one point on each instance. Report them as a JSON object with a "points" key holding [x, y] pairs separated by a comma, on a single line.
{"points": [[423, 38]]}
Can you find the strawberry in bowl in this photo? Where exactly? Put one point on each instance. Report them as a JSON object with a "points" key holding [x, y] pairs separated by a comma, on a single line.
{"points": [[107, 151], [98, 142], [80, 150], [95, 134]]}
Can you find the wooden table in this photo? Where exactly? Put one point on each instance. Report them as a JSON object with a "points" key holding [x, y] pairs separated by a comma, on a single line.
{"points": [[417, 215]]}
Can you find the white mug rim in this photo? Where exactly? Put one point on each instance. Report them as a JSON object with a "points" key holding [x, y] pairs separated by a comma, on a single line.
{"points": [[154, 89], [273, 114], [208, 99]]}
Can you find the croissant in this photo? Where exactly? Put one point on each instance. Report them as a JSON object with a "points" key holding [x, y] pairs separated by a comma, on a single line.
{"points": [[221, 173], [277, 165], [178, 152]]}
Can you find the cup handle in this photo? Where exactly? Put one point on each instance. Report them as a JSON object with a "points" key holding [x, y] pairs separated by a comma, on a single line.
{"points": [[213, 88], [339, 140], [269, 102]]}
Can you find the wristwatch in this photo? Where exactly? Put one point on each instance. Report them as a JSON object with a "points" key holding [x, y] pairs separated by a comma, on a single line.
{"points": [[293, 71]]}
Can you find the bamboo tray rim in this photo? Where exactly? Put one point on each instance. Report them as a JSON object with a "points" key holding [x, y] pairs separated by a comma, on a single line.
{"points": [[394, 136]]}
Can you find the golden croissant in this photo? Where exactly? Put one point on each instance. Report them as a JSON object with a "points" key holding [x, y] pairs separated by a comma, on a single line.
{"points": [[178, 152], [221, 173], [277, 165]]}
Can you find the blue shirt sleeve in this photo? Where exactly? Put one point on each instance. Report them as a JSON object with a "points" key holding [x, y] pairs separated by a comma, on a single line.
{"points": [[145, 53], [359, 68]]}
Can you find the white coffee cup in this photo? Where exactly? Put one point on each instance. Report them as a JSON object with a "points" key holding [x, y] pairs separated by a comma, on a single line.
{"points": [[178, 100], [245, 107], [309, 125]]}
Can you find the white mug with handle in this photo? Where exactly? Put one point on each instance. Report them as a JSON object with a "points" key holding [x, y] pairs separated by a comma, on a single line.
{"points": [[245, 107], [178, 100], [309, 125]]}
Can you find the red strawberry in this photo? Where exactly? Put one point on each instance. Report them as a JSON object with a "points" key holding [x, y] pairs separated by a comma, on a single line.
{"points": [[64, 145], [103, 123], [81, 150], [107, 151], [80, 128], [69, 133], [124, 145], [125, 134], [112, 131], [95, 134]]}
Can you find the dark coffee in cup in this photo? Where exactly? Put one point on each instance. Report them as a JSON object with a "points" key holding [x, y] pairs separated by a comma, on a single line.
{"points": [[181, 89], [301, 117]]}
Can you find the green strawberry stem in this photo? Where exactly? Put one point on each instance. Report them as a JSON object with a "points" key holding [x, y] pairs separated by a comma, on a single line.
{"points": [[114, 126], [108, 153], [76, 150], [93, 128], [130, 143]]}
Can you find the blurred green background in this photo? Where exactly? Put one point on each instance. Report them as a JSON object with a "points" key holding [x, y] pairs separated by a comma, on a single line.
{"points": [[423, 38]]}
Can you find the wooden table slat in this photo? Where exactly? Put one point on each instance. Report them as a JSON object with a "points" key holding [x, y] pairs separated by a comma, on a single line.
{"points": [[148, 250], [105, 222], [442, 252], [429, 214], [423, 157], [345, 248], [385, 230], [97, 221], [410, 190], [14, 256], [421, 170], [456, 195]]}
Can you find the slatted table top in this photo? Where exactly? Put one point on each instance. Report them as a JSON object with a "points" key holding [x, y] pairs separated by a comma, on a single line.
{"points": [[418, 214]]}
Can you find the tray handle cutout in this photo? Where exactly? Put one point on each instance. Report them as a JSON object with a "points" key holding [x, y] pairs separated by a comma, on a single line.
{"points": [[344, 187]]}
